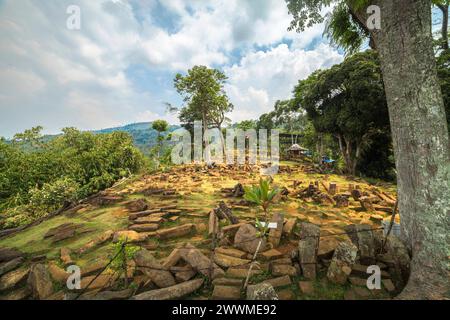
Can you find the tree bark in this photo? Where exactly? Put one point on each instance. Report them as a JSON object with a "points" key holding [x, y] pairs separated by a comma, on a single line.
{"points": [[420, 140]]}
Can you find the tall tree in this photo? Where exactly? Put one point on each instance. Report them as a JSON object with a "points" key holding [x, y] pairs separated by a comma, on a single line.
{"points": [[348, 102], [419, 131], [204, 97]]}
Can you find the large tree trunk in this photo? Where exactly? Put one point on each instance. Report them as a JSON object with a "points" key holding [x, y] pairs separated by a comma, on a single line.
{"points": [[421, 142]]}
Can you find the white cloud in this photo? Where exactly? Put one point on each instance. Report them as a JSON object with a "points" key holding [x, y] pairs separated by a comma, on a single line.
{"points": [[56, 77], [276, 71]]}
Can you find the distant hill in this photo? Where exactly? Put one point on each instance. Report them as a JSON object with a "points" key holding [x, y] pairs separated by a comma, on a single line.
{"points": [[143, 135]]}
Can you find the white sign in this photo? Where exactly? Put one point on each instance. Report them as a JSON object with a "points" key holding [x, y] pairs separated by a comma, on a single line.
{"points": [[272, 225]]}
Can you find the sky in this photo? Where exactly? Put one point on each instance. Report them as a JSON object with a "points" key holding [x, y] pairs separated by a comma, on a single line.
{"points": [[119, 67]]}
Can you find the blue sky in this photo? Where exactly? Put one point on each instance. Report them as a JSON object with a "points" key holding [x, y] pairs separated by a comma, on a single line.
{"points": [[119, 67]]}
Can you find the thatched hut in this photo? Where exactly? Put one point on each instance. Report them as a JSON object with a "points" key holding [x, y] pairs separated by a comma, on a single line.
{"points": [[295, 151]]}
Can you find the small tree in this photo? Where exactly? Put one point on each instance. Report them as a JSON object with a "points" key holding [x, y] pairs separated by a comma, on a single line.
{"points": [[262, 196], [160, 126]]}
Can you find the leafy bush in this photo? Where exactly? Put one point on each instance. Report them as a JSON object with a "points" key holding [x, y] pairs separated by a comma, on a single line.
{"points": [[53, 195], [37, 174]]}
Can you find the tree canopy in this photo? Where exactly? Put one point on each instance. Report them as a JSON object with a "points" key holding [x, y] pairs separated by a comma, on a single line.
{"points": [[347, 101], [204, 97]]}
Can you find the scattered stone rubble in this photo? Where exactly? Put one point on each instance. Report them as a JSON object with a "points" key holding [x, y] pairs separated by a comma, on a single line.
{"points": [[293, 249]]}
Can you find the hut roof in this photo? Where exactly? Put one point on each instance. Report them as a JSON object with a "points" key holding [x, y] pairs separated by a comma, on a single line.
{"points": [[296, 147]]}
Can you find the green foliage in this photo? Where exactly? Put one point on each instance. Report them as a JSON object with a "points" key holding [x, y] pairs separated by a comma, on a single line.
{"points": [[246, 125], [160, 125], [37, 180], [121, 252], [204, 96], [261, 195], [306, 13], [344, 30], [53, 195], [347, 101]]}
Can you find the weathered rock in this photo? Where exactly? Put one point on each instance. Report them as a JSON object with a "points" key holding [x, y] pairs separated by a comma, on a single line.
{"points": [[228, 282], [200, 262], [224, 212], [399, 253], [341, 200], [229, 261], [10, 265], [213, 223], [285, 260], [65, 226], [8, 254], [186, 275], [103, 281], [173, 292], [261, 291], [332, 189], [58, 274], [19, 294], [388, 285], [136, 215], [356, 194], [109, 295], [172, 259], [326, 248], [153, 269], [151, 219], [275, 233], [222, 292], [13, 278], [361, 292], [279, 281], [175, 232], [289, 226], [144, 227], [358, 281], [270, 255], [283, 270], [241, 273], [106, 236], [341, 265], [362, 236], [376, 218], [231, 230], [285, 294], [62, 232], [308, 247], [246, 239], [93, 267], [366, 204], [306, 287], [129, 236], [238, 191], [65, 256], [137, 205], [40, 282], [231, 252], [104, 200]]}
